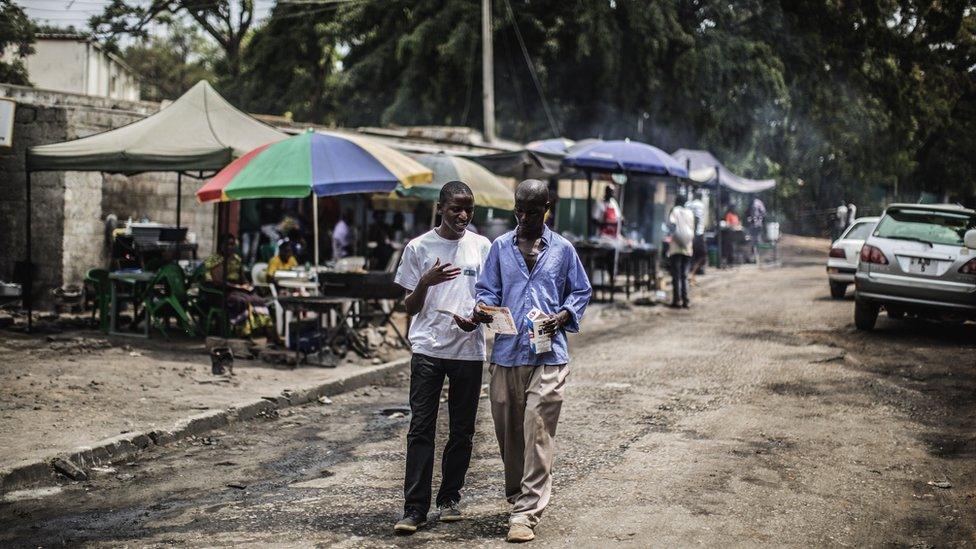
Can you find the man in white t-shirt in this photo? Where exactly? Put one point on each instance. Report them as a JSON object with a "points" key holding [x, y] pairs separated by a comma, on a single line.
{"points": [[680, 250], [439, 270], [342, 236]]}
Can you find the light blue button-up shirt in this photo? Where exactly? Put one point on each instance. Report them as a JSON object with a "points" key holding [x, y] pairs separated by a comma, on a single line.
{"points": [[557, 282]]}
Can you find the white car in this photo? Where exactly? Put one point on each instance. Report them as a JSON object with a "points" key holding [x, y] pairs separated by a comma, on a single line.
{"points": [[845, 253]]}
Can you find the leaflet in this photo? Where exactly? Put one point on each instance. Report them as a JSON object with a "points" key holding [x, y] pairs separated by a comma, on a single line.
{"points": [[502, 321]]}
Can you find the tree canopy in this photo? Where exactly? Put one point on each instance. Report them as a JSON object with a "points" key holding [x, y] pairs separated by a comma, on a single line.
{"points": [[864, 100], [16, 38]]}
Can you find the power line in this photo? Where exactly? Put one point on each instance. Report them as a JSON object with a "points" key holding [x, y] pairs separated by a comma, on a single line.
{"points": [[535, 78]]}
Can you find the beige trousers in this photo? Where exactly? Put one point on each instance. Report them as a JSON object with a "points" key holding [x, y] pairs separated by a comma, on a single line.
{"points": [[525, 404]]}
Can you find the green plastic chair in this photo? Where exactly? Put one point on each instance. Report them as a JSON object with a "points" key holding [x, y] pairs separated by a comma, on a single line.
{"points": [[166, 297], [210, 310], [101, 296], [207, 305], [266, 252]]}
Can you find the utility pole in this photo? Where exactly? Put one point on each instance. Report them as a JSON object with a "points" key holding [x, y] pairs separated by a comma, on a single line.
{"points": [[487, 72]]}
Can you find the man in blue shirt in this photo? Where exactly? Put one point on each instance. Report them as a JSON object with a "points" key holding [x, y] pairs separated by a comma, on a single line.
{"points": [[530, 267]]}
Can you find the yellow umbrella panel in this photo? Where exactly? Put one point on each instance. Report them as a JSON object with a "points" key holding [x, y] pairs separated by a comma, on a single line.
{"points": [[489, 191]]}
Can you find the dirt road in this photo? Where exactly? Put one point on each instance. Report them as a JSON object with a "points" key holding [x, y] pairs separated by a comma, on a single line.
{"points": [[758, 417]]}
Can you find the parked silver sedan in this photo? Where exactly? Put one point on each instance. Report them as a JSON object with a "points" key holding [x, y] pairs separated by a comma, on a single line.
{"points": [[844, 253], [919, 260]]}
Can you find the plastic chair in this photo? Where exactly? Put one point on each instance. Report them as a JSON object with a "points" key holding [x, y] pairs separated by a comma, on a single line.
{"points": [[167, 297], [97, 280], [208, 306], [266, 251]]}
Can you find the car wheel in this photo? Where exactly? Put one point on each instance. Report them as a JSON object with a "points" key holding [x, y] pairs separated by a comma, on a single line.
{"points": [[896, 314], [865, 315], [837, 290]]}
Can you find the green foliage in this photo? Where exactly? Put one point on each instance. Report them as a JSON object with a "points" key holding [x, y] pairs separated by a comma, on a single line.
{"points": [[863, 100], [169, 65], [17, 38], [226, 22], [298, 54]]}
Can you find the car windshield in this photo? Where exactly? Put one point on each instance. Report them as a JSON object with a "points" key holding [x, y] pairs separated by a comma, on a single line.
{"points": [[859, 231], [926, 226]]}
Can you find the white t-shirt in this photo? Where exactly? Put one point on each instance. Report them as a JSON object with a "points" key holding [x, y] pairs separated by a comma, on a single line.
{"points": [[436, 334], [684, 225], [697, 207], [341, 239]]}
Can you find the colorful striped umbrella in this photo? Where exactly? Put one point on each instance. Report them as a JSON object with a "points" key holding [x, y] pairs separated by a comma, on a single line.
{"points": [[322, 162], [488, 190]]}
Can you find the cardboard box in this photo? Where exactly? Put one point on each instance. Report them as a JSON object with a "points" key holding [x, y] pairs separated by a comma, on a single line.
{"points": [[539, 340]]}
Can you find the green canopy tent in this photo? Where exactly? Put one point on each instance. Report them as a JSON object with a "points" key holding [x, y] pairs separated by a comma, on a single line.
{"points": [[199, 132]]}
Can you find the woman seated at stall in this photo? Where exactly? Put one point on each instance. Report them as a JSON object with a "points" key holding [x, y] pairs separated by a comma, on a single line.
{"points": [[248, 313], [284, 260]]}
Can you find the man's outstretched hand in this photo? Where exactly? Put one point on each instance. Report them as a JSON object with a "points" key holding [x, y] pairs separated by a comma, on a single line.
{"points": [[439, 273], [464, 323], [478, 316]]}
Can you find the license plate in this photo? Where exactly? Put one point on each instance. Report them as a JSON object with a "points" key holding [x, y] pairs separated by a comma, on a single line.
{"points": [[921, 265]]}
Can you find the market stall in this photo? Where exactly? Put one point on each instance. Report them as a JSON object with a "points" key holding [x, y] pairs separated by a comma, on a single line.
{"points": [[198, 133], [607, 257], [323, 164], [705, 169]]}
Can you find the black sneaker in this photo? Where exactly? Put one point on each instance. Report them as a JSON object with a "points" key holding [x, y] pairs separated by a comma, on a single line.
{"points": [[450, 512], [409, 523]]}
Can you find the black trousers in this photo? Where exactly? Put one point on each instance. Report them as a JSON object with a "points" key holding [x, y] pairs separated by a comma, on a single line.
{"points": [[426, 381], [700, 253], [680, 265]]}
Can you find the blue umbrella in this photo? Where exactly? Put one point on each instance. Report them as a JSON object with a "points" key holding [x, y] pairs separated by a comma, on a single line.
{"points": [[623, 156]]}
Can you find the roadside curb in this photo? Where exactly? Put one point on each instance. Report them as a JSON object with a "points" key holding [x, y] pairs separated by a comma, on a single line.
{"points": [[30, 473]]}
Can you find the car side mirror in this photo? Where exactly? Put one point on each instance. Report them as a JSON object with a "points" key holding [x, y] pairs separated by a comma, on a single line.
{"points": [[970, 239]]}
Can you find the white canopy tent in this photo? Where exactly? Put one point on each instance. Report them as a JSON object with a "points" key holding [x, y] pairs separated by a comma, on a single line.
{"points": [[702, 167]]}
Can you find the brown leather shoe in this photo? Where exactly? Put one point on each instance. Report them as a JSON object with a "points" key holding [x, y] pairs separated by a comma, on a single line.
{"points": [[519, 533]]}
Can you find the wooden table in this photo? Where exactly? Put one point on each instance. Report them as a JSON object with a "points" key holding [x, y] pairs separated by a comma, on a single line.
{"points": [[133, 280]]}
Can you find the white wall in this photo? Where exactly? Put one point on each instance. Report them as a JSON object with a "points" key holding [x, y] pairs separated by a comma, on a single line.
{"points": [[58, 65], [75, 66]]}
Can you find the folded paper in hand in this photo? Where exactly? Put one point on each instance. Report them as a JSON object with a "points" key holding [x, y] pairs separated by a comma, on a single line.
{"points": [[502, 321]]}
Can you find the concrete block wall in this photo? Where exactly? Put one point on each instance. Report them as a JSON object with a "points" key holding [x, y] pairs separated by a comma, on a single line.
{"points": [[153, 195], [84, 236], [69, 208], [33, 124]]}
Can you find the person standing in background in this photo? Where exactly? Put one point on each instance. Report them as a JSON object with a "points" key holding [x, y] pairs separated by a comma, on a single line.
{"points": [[250, 229], [755, 220], [342, 236], [851, 213], [699, 255], [606, 214], [840, 219], [681, 220]]}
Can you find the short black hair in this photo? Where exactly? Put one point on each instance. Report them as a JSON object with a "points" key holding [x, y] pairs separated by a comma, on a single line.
{"points": [[532, 189], [680, 200], [452, 188]]}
